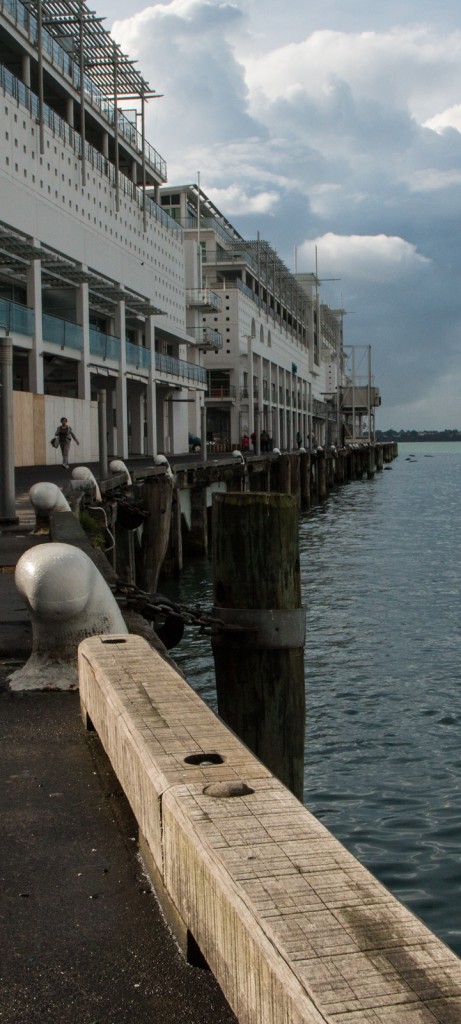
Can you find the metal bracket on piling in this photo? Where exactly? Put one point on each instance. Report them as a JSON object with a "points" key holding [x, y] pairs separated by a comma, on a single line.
{"points": [[259, 628]]}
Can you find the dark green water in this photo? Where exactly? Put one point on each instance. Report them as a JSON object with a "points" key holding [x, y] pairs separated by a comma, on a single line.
{"points": [[381, 578]]}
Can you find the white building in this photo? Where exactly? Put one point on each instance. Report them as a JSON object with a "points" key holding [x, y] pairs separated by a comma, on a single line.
{"points": [[92, 273], [271, 350], [111, 281]]}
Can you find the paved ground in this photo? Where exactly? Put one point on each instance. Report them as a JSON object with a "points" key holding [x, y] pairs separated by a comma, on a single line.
{"points": [[83, 939]]}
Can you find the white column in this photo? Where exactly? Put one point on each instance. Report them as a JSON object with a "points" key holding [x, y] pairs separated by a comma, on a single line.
{"points": [[70, 111], [34, 300], [251, 400], [26, 69], [121, 398], [136, 404], [83, 318], [151, 395]]}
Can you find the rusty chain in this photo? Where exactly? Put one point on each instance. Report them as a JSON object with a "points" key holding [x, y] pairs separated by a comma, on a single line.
{"points": [[190, 616]]}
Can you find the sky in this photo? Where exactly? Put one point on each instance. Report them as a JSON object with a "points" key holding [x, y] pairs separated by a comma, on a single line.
{"points": [[333, 130]]}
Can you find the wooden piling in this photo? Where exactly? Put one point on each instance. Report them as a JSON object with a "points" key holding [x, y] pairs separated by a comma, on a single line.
{"points": [[173, 560], [195, 540], [158, 497], [260, 672], [305, 479], [322, 476], [371, 462]]}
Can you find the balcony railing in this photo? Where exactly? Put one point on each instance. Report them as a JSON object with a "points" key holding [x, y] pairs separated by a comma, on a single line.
{"points": [[60, 128], [207, 337], [16, 318], [138, 356], [225, 391], [203, 298], [179, 368], [26, 20], [104, 346], [61, 332]]}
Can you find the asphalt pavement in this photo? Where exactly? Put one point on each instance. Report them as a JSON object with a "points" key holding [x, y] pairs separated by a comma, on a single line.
{"points": [[83, 937]]}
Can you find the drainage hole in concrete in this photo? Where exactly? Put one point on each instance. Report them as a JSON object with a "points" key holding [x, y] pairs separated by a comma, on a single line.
{"points": [[204, 760]]}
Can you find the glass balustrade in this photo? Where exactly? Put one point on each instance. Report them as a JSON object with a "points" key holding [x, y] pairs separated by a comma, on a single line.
{"points": [[16, 318]]}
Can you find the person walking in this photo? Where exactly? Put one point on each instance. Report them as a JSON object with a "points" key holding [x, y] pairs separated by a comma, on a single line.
{"points": [[65, 435]]}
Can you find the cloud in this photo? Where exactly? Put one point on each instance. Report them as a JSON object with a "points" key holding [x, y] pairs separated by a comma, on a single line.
{"points": [[377, 258], [338, 127], [450, 118], [411, 68], [235, 200], [185, 49]]}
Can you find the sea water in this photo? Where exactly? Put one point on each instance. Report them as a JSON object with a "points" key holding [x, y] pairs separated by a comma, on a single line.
{"points": [[381, 585]]}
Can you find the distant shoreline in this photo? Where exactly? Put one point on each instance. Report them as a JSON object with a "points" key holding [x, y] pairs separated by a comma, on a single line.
{"points": [[417, 438]]}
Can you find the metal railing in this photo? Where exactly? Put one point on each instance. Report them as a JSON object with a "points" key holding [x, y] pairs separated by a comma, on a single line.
{"points": [[62, 130], [179, 368], [223, 391], [69, 68], [207, 337], [201, 298]]}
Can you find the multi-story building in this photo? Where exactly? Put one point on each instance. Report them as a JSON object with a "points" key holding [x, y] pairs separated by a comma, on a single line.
{"points": [[272, 351], [92, 271], [112, 282]]}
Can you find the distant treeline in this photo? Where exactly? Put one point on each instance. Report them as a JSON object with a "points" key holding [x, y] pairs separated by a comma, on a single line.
{"points": [[418, 435]]}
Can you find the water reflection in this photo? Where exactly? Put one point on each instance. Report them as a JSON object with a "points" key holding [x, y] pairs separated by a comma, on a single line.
{"points": [[381, 584]]}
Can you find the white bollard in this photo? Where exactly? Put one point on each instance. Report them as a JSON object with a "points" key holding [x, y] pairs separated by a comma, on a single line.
{"points": [[118, 466], [68, 600], [161, 460], [83, 473], [46, 498]]}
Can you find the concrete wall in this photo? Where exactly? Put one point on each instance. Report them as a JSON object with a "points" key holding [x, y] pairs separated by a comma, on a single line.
{"points": [[36, 418], [295, 930]]}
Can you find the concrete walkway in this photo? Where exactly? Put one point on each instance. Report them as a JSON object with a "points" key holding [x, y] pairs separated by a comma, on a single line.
{"points": [[83, 939]]}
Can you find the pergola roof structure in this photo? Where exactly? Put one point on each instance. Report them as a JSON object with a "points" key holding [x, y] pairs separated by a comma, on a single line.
{"points": [[17, 252], [263, 254], [64, 18]]}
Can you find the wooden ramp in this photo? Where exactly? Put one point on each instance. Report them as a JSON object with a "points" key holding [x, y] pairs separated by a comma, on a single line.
{"points": [[292, 926]]}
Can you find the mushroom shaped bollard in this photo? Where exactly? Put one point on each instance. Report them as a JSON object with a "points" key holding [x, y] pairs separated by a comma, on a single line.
{"points": [[161, 460], [118, 466], [68, 600], [46, 498], [85, 474]]}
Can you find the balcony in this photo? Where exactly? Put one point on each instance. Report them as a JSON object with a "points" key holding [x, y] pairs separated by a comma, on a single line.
{"points": [[65, 65], [207, 337], [138, 356], [203, 298], [104, 346], [61, 129], [224, 393], [169, 365], [61, 332], [16, 319]]}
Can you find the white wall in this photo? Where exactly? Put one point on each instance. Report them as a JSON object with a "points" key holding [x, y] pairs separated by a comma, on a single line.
{"points": [[36, 418]]}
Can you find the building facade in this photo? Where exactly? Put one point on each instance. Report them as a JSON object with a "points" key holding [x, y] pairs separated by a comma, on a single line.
{"points": [[273, 353], [92, 271], [113, 281]]}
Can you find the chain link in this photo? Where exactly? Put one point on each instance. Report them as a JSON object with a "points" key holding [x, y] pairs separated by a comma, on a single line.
{"points": [[196, 616]]}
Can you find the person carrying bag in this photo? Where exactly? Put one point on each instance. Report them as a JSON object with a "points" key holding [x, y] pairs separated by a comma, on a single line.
{"points": [[63, 436]]}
